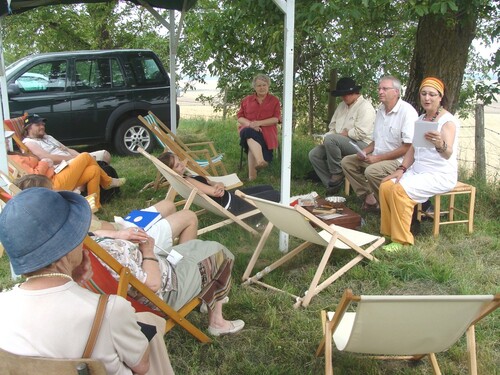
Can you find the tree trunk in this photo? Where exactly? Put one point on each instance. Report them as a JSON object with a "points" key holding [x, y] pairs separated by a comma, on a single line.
{"points": [[441, 50]]}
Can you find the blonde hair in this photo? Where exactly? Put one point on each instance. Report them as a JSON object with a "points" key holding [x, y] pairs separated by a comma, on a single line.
{"points": [[33, 180]]}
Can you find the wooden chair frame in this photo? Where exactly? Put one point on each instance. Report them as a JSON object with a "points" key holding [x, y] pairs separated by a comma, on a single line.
{"points": [[14, 364], [179, 185], [461, 188], [488, 305], [16, 125], [300, 223], [199, 160], [128, 280]]}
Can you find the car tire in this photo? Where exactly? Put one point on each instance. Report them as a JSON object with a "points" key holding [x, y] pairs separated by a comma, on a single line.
{"points": [[132, 134]]}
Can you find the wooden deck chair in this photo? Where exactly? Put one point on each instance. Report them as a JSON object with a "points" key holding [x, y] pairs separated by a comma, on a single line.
{"points": [[179, 185], [8, 183], [404, 327], [206, 158], [103, 282], [16, 125], [299, 223], [14, 364]]}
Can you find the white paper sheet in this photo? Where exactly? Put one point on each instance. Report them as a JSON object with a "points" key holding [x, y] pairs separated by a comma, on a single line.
{"points": [[422, 127]]}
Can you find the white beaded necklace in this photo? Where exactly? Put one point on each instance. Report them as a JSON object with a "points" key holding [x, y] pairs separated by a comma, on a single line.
{"points": [[53, 274]]}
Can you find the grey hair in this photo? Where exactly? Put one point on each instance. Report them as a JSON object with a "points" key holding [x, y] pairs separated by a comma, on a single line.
{"points": [[261, 77], [396, 83]]}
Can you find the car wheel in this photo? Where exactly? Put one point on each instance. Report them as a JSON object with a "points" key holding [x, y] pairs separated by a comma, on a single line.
{"points": [[132, 134]]}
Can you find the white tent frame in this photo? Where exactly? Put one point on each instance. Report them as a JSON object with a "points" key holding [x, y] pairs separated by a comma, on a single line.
{"points": [[286, 6]]}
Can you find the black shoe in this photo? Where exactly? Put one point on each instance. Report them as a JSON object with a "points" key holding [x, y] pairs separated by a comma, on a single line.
{"points": [[415, 227]]}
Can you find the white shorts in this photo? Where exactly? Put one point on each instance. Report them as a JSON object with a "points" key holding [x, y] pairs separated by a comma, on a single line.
{"points": [[161, 232]]}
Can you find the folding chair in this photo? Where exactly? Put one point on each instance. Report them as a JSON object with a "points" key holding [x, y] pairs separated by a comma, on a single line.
{"points": [[14, 364], [16, 125], [203, 158], [404, 327], [103, 282], [300, 223], [179, 185]]}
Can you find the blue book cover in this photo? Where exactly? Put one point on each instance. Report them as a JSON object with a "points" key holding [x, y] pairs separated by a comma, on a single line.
{"points": [[143, 219]]}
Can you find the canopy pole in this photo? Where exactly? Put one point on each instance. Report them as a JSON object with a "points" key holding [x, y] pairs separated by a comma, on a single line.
{"points": [[288, 8], [173, 78], [4, 112]]}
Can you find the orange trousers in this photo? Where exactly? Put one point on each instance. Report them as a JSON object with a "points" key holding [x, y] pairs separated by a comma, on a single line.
{"points": [[83, 170], [396, 209]]}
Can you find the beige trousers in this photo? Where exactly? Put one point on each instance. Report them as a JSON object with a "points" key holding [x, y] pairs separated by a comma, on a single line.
{"points": [[366, 178]]}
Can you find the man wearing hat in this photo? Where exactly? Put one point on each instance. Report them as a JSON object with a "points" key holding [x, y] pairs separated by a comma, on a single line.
{"points": [[351, 124], [50, 314], [45, 146]]}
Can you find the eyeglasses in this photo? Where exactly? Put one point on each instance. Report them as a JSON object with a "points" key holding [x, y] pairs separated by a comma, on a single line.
{"points": [[431, 94], [385, 88]]}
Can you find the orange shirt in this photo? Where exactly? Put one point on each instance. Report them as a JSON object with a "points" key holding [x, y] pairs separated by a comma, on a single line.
{"points": [[32, 165]]}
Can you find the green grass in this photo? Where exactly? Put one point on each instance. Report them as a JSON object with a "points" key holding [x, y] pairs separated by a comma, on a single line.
{"points": [[278, 339]]}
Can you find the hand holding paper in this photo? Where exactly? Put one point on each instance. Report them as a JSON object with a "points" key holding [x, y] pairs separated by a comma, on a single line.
{"points": [[359, 151]]}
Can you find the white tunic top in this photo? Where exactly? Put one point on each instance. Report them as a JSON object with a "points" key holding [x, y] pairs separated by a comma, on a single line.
{"points": [[430, 173]]}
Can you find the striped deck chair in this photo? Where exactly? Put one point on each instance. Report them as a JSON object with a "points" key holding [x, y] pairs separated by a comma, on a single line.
{"points": [[16, 125], [407, 327], [207, 158], [103, 282]]}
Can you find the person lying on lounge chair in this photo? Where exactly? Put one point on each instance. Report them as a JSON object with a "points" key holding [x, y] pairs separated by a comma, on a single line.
{"points": [[216, 190]]}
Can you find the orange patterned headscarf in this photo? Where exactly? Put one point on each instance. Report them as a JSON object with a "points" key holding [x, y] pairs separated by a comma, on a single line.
{"points": [[434, 83]]}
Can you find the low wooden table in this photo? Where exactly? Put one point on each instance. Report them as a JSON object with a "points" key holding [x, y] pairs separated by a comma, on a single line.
{"points": [[349, 218]]}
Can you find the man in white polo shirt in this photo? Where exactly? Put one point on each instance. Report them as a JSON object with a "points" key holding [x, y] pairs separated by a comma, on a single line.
{"points": [[392, 136]]}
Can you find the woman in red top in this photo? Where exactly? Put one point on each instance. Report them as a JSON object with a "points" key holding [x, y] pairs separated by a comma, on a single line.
{"points": [[257, 119]]}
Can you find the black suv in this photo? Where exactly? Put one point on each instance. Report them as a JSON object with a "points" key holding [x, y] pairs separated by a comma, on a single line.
{"points": [[91, 97]]}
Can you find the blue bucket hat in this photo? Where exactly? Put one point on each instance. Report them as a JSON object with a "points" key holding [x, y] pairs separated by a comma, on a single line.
{"points": [[40, 226]]}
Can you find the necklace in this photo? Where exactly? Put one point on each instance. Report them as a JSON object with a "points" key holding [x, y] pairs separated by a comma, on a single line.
{"points": [[54, 274], [436, 115]]}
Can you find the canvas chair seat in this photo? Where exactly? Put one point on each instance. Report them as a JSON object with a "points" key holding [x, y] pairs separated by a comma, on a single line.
{"points": [[404, 327], [103, 282], [14, 364], [179, 185], [300, 223]]}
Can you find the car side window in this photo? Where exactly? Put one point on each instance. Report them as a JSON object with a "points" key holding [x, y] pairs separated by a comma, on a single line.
{"points": [[92, 74], [118, 80], [146, 70], [48, 76]]}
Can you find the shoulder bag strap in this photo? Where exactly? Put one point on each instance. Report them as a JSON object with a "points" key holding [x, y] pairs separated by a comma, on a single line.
{"points": [[96, 326]]}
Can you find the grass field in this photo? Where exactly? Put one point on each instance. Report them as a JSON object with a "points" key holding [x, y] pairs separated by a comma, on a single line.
{"points": [[278, 339]]}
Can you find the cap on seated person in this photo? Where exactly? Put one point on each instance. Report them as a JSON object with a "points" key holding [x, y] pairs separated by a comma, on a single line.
{"points": [[33, 119], [40, 226], [346, 86]]}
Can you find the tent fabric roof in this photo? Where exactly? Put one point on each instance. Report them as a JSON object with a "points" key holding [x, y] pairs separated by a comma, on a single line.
{"points": [[19, 6]]}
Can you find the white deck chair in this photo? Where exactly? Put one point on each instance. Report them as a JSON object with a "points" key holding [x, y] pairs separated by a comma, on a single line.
{"points": [[179, 185], [298, 222], [404, 327]]}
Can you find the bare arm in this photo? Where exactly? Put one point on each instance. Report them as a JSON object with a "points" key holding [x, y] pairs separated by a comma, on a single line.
{"points": [[213, 190], [446, 136], [42, 154], [150, 266], [143, 366]]}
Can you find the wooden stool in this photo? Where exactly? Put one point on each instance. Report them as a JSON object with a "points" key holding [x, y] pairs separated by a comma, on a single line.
{"points": [[461, 188]]}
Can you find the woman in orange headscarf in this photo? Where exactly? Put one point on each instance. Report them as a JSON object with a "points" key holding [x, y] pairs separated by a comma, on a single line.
{"points": [[425, 171]]}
